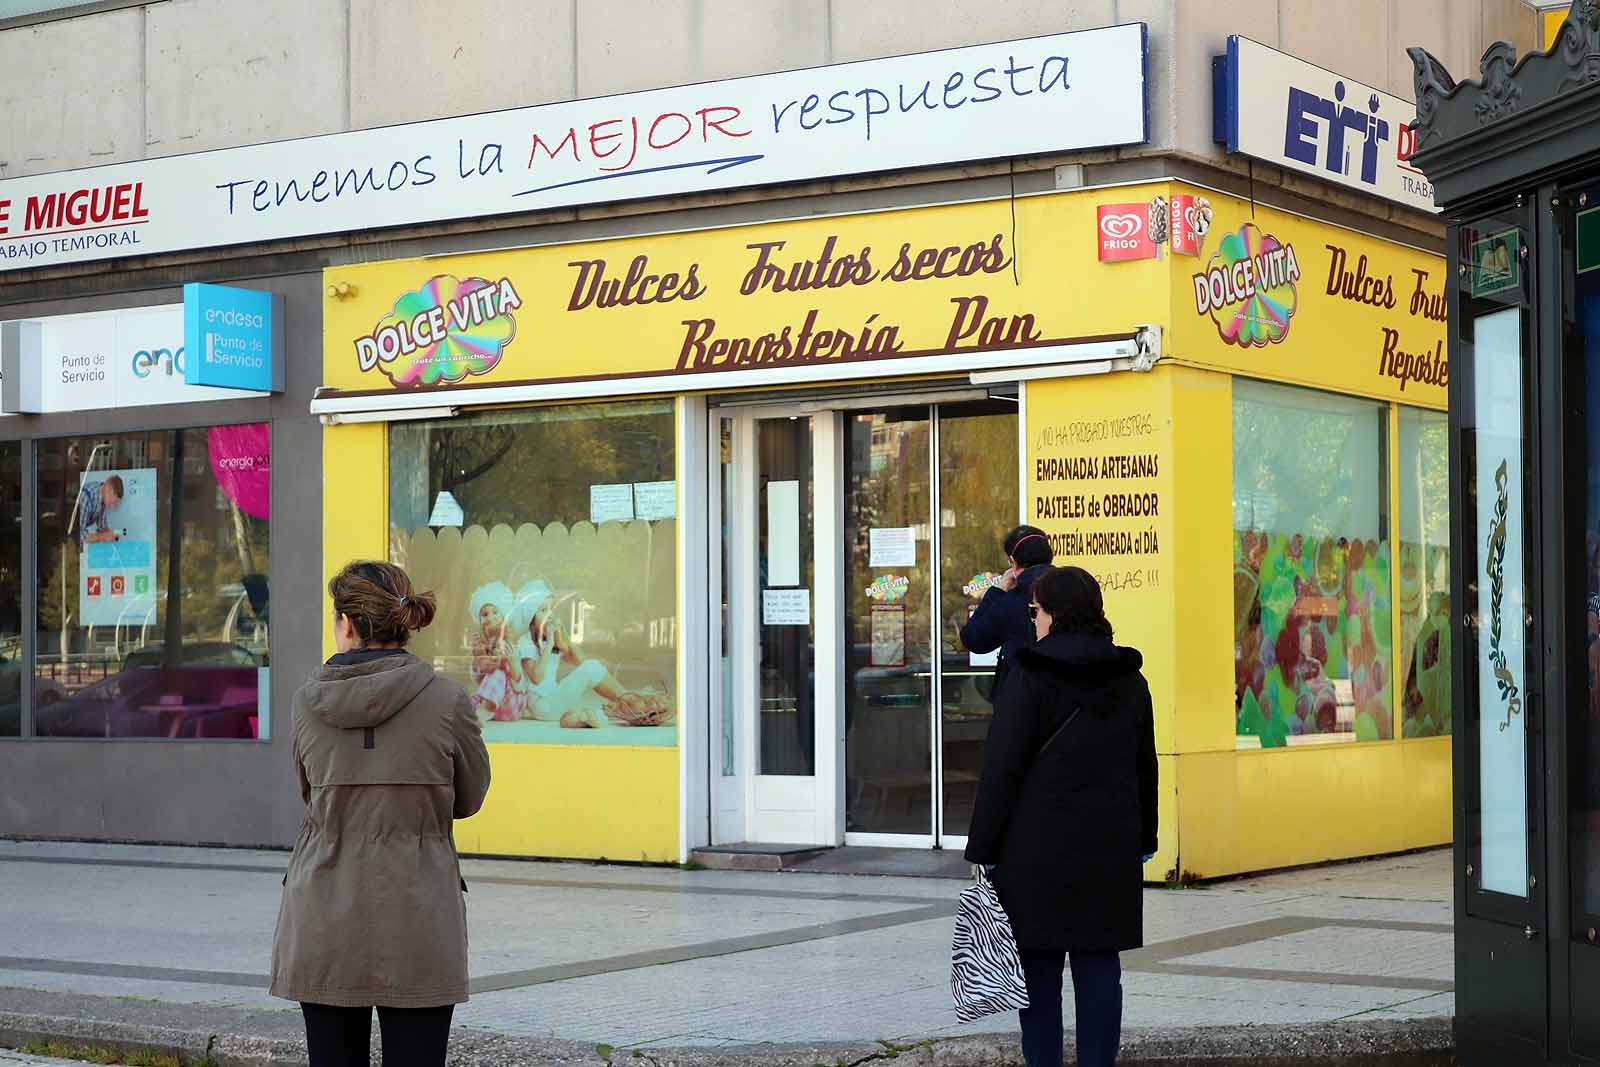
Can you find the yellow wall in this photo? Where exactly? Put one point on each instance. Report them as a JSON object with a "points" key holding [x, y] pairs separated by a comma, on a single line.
{"points": [[1260, 810], [569, 801]]}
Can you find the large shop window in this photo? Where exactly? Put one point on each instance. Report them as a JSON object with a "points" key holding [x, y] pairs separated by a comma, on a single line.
{"points": [[153, 584], [550, 538], [1312, 589]]}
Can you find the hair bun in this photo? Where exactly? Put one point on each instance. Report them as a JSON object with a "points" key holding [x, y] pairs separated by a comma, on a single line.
{"points": [[417, 610]]}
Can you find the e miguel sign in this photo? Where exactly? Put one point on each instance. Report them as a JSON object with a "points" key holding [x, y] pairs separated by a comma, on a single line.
{"points": [[1296, 115], [1043, 94]]}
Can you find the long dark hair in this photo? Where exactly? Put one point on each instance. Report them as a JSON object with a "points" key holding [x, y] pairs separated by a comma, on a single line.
{"points": [[1072, 598], [380, 603]]}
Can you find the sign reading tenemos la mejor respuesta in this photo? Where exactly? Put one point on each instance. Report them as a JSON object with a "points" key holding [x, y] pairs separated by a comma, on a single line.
{"points": [[1043, 94], [1297, 115]]}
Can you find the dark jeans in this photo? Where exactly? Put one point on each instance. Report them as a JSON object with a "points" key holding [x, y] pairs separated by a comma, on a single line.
{"points": [[412, 1037], [1097, 993]]}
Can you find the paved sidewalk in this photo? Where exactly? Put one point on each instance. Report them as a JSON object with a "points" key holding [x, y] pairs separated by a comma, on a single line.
{"points": [[726, 962]]}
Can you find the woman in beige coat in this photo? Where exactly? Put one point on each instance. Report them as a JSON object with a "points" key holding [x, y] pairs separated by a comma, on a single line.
{"points": [[373, 915]]}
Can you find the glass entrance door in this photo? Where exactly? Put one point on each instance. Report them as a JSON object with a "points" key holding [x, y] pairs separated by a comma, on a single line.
{"points": [[929, 491], [890, 668], [853, 544]]}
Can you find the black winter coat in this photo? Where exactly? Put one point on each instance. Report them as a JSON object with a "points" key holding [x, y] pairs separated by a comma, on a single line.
{"points": [[1065, 828]]}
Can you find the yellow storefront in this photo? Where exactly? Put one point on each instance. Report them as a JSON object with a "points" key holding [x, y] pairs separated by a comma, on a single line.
{"points": [[704, 510]]}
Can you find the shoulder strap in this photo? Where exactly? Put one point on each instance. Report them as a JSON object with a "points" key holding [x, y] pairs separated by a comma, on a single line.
{"points": [[1059, 730]]}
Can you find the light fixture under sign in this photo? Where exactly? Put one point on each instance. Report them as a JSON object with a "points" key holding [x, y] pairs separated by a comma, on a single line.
{"points": [[346, 418]]}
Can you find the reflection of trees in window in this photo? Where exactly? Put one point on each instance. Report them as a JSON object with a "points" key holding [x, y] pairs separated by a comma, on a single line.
{"points": [[535, 466], [978, 496]]}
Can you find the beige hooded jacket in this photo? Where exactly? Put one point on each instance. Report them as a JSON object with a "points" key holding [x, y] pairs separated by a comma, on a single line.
{"points": [[373, 912]]}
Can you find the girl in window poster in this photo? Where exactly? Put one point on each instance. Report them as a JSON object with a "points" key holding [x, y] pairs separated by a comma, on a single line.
{"points": [[499, 693], [565, 686]]}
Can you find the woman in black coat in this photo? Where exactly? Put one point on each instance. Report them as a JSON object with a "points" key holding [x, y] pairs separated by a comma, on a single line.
{"points": [[1066, 814]]}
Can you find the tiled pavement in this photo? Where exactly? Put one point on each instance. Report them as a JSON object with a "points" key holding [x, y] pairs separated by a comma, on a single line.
{"points": [[664, 958]]}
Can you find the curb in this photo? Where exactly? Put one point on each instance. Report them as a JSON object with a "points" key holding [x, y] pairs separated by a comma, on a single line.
{"points": [[1422, 1042]]}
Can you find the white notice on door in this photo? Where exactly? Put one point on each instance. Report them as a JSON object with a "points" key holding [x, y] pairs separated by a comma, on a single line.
{"points": [[892, 546], [611, 503], [783, 533], [785, 607]]}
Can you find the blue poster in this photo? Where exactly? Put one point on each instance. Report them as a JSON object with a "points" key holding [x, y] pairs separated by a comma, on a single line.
{"points": [[114, 523]]}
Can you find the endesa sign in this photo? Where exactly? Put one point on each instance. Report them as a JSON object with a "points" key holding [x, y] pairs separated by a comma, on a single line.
{"points": [[1296, 115], [1044, 94], [234, 337]]}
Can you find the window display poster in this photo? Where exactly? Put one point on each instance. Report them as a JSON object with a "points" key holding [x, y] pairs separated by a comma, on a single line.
{"points": [[115, 527], [241, 460], [892, 546], [560, 635], [888, 635], [611, 503]]}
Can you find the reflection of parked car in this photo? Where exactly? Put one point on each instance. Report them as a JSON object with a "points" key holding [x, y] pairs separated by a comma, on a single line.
{"points": [[194, 654], [45, 693], [213, 693]]}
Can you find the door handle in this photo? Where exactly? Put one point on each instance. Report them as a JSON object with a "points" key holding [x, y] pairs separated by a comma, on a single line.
{"points": [[1529, 933]]}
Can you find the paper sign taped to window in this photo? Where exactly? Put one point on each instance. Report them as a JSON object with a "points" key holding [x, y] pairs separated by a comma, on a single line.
{"points": [[446, 511], [655, 500], [785, 607], [783, 533], [611, 503], [892, 546]]}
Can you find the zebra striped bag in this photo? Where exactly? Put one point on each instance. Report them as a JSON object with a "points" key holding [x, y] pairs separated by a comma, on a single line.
{"points": [[985, 969]]}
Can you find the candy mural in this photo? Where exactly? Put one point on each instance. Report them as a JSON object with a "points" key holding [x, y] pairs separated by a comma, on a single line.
{"points": [[1312, 633]]}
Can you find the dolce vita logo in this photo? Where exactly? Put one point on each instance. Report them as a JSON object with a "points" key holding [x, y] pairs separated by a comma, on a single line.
{"points": [[1249, 288], [441, 333]]}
